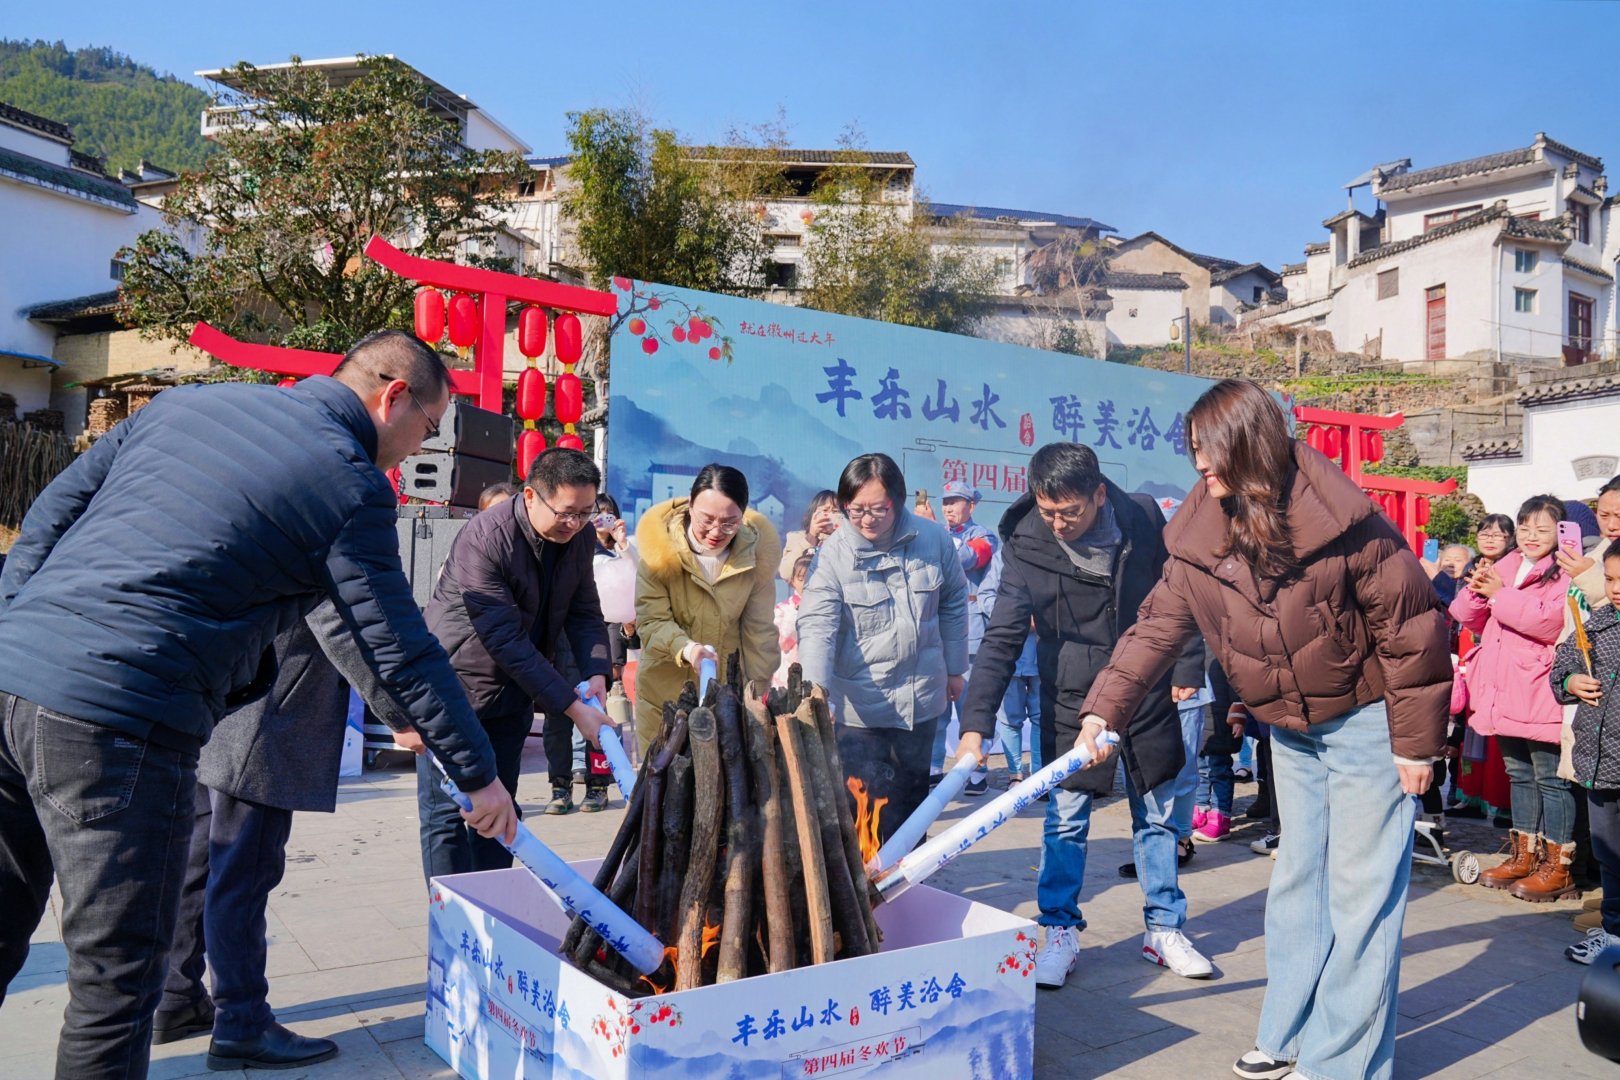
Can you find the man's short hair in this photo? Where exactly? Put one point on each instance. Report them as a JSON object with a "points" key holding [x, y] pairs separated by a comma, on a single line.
{"points": [[1064, 469], [493, 494], [394, 354], [562, 467]]}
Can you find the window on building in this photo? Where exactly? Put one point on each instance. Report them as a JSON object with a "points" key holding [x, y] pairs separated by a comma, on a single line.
{"points": [[786, 239], [1259, 294], [525, 189], [1582, 220], [1580, 321], [1446, 217], [1524, 261], [1524, 301], [116, 271], [1389, 283], [782, 275]]}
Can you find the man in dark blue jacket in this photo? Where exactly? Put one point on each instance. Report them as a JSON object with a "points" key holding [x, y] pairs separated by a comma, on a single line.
{"points": [[518, 577], [139, 604]]}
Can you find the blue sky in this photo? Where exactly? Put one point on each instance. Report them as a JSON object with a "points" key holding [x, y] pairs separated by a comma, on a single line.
{"points": [[1228, 128]]}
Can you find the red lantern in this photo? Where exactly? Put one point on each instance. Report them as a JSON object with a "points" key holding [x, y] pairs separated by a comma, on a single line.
{"points": [[1375, 451], [571, 441], [532, 333], [1313, 438], [570, 395], [530, 446], [430, 315], [531, 394], [463, 321], [1332, 442], [570, 339], [1421, 511]]}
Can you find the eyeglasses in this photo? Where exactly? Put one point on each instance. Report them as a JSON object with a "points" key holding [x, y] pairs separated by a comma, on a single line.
{"points": [[569, 517], [1493, 532], [433, 427], [868, 513], [703, 523], [1067, 514]]}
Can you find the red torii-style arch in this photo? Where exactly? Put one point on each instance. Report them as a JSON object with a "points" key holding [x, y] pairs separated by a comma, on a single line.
{"points": [[493, 289]]}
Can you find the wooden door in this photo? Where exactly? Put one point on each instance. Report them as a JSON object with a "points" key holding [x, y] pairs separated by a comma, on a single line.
{"points": [[1580, 325], [1435, 304]]}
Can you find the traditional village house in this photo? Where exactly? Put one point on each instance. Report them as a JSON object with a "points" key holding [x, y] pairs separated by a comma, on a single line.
{"points": [[1503, 257]]}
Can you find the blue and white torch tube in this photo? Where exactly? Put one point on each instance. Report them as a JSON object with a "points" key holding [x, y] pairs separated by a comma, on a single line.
{"points": [[578, 897], [915, 867], [911, 830], [706, 672], [624, 774]]}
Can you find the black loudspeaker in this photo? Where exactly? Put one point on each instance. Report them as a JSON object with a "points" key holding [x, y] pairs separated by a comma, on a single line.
{"points": [[456, 479], [1597, 1010], [474, 432], [425, 535]]}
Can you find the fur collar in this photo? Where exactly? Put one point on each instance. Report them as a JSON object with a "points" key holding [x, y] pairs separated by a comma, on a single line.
{"points": [[665, 554]]}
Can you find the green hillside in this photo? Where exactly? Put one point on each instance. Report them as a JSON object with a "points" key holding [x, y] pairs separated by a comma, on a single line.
{"points": [[118, 108]]}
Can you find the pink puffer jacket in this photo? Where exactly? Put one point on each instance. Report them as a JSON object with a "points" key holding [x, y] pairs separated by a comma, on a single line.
{"points": [[1517, 630]]}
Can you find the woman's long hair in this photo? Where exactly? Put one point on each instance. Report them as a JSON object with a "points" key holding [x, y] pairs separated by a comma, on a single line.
{"points": [[1243, 437]]}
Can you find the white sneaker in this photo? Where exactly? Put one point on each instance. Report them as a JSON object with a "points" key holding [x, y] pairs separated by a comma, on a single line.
{"points": [[1056, 958], [1257, 1066], [1171, 949], [1586, 950]]}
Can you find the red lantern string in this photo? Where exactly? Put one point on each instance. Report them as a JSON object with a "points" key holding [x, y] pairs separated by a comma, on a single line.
{"points": [[430, 315]]}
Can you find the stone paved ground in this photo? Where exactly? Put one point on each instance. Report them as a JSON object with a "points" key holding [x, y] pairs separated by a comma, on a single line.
{"points": [[1485, 990]]}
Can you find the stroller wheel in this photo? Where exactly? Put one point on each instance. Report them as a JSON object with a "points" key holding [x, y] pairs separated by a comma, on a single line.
{"points": [[1465, 867]]}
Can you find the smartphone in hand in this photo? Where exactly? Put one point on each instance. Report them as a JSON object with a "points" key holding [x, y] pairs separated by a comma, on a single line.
{"points": [[1569, 538]]}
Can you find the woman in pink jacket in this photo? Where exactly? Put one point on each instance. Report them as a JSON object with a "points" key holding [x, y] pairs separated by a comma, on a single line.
{"points": [[1516, 607]]}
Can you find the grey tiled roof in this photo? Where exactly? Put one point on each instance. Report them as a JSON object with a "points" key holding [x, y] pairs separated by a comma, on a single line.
{"points": [[1118, 279], [10, 114], [1572, 153], [100, 303], [1208, 262], [1590, 386], [789, 155], [1293, 268], [996, 213], [1316, 249], [102, 187], [1493, 448], [1238, 271], [1494, 212], [1588, 269], [1458, 169], [1525, 229]]}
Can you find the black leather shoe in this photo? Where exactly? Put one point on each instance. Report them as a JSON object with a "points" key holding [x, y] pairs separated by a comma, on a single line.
{"points": [[183, 1023], [277, 1048]]}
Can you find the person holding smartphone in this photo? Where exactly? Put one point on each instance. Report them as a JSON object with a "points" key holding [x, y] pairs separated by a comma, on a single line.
{"points": [[1516, 606], [1587, 570]]}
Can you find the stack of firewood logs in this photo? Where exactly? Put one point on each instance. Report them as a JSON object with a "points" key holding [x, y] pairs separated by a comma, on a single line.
{"points": [[739, 848]]}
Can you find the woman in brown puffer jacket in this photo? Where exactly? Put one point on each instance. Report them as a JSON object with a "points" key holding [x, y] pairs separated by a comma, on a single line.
{"points": [[1328, 629]]}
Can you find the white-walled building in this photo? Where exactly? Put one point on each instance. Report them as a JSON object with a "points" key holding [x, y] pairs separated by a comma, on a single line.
{"points": [[1503, 256], [1569, 447], [64, 221]]}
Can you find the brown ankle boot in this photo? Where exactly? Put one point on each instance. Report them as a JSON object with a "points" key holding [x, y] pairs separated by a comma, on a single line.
{"points": [[1521, 861], [1551, 879]]}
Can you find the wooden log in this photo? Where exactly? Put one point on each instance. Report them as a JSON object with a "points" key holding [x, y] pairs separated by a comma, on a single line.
{"points": [[846, 903], [742, 839], [708, 792], [800, 786], [677, 829], [645, 901], [846, 817], [629, 830], [773, 868]]}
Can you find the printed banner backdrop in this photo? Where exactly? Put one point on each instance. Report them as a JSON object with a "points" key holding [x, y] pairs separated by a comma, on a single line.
{"points": [[789, 395]]}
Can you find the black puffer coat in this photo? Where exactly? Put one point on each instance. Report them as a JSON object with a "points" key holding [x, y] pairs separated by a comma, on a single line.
{"points": [[1596, 756], [1078, 619]]}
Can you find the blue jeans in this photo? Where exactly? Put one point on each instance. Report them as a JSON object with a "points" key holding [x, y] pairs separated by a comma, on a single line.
{"points": [[1153, 844], [1337, 899], [1186, 781], [111, 816], [1021, 702], [1543, 802], [238, 855], [1215, 782]]}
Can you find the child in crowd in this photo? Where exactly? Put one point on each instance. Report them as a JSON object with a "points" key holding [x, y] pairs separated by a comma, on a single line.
{"points": [[1516, 605], [1212, 804], [787, 616], [1585, 669]]}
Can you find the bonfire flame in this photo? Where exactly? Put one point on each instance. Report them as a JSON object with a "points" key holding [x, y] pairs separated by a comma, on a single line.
{"points": [[867, 813], [663, 979], [711, 938]]}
